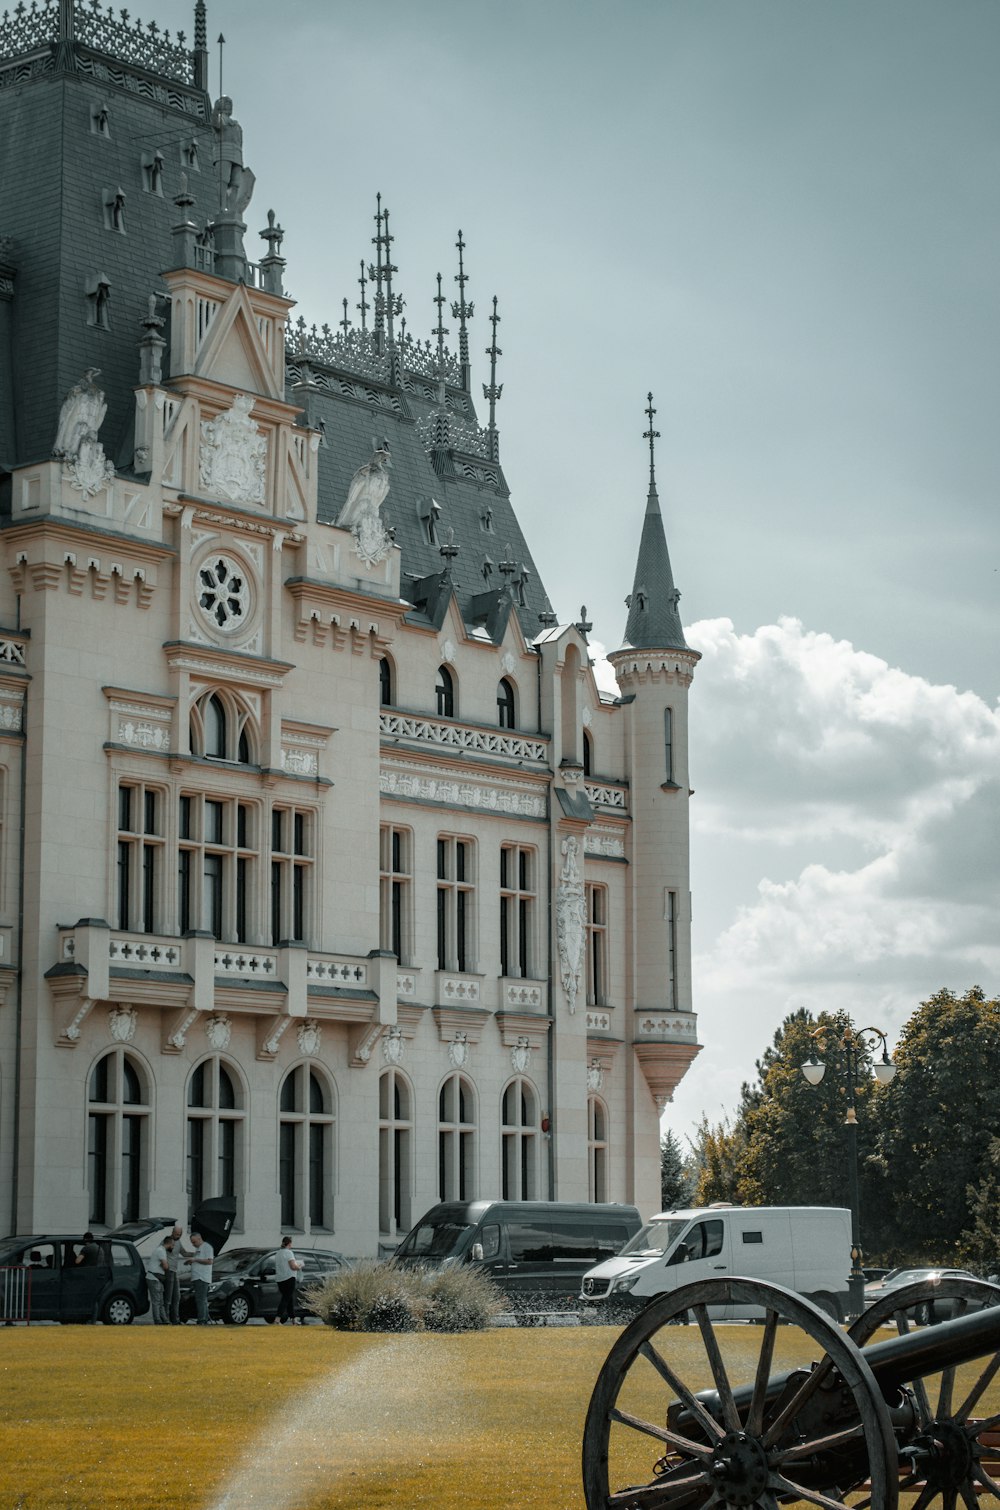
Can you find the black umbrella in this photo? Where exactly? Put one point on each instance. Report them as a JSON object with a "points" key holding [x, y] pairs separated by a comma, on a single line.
{"points": [[214, 1220]]}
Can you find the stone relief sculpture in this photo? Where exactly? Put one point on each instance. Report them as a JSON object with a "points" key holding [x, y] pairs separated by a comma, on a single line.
{"points": [[310, 1036], [233, 454], [76, 443], [362, 510], [571, 920]]}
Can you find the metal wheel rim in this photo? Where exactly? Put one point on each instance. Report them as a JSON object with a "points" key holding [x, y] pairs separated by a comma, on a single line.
{"points": [[238, 1310], [119, 1311], [840, 1354]]}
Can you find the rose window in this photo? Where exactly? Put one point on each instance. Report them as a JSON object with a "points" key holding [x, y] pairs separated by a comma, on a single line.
{"points": [[224, 596]]}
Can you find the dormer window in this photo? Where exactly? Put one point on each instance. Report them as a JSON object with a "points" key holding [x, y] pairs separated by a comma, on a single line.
{"points": [[445, 691], [506, 715]]}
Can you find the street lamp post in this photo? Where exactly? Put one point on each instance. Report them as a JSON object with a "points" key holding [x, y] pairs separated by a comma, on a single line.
{"points": [[854, 1042]]}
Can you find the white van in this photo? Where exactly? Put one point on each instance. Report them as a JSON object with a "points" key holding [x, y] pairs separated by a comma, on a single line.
{"points": [[804, 1248]]}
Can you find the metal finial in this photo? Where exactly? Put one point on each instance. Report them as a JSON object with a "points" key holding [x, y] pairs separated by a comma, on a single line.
{"points": [[449, 550], [462, 310], [490, 390], [393, 306], [200, 26], [652, 436], [440, 330], [583, 623], [377, 273], [345, 323], [364, 306]]}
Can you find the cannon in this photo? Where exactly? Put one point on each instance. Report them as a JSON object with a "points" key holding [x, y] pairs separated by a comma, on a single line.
{"points": [[883, 1410]]}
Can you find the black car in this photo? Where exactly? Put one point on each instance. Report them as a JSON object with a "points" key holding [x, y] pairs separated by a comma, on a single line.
{"points": [[62, 1277], [243, 1284]]}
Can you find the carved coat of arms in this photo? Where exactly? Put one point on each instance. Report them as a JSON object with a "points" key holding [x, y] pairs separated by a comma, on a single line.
{"points": [[233, 454], [362, 511]]}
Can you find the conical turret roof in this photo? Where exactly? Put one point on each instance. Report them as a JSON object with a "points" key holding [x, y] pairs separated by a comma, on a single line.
{"points": [[654, 622]]}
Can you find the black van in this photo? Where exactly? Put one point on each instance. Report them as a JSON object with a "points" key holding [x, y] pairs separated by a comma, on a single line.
{"points": [[536, 1251]]}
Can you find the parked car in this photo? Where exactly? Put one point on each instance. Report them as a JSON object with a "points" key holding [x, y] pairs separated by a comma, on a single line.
{"points": [[930, 1311], [243, 1284], [48, 1277]]}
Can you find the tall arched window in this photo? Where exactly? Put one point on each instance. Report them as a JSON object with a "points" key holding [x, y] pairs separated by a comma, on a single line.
{"points": [[395, 1126], [506, 713], [597, 1149], [215, 1119], [519, 1141], [306, 1150], [445, 691], [117, 1139], [569, 709], [456, 1140], [588, 754], [222, 728], [668, 742], [385, 682]]}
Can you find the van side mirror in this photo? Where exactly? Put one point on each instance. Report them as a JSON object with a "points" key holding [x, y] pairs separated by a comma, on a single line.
{"points": [[477, 1253], [680, 1254]]}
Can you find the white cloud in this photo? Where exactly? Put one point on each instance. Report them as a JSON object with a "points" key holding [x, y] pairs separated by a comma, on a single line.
{"points": [[849, 813]]}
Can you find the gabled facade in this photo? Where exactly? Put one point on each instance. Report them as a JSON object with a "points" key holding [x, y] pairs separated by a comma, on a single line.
{"points": [[329, 879]]}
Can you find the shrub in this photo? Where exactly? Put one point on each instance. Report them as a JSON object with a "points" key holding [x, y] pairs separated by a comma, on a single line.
{"points": [[379, 1297], [460, 1300]]}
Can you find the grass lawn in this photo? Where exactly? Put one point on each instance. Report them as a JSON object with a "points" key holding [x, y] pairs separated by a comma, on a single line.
{"points": [[303, 1418]]}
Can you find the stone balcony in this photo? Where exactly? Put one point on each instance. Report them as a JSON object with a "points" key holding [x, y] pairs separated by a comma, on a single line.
{"points": [[196, 975], [666, 1043]]}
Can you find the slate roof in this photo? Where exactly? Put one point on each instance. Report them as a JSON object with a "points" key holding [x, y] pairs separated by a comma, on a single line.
{"points": [[654, 622]]}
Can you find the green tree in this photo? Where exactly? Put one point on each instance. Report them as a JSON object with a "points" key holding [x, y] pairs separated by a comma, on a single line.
{"points": [[939, 1116], [979, 1245], [715, 1154], [676, 1181]]}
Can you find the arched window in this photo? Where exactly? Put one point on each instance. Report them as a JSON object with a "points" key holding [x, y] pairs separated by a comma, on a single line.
{"points": [[117, 1137], [385, 682], [306, 1150], [668, 742], [395, 1125], [445, 691], [588, 755], [597, 1149], [506, 715], [456, 1140], [222, 728], [215, 1126], [570, 712], [519, 1141]]}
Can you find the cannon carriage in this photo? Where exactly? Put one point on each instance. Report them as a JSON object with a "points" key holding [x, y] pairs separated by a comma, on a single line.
{"points": [[887, 1413]]}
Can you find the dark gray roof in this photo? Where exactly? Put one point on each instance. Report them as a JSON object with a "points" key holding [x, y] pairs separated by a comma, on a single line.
{"points": [[653, 620]]}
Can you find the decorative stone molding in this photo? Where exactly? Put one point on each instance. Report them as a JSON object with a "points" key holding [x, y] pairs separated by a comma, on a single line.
{"points": [[458, 1051], [664, 1066], [595, 1076], [597, 1021], [147, 954], [12, 652], [248, 964], [675, 666], [218, 1030], [456, 990], [448, 652], [406, 985], [530, 1026], [224, 597], [11, 711], [672, 1025], [520, 800], [332, 971], [520, 995], [141, 725], [571, 920], [587, 716], [607, 797], [299, 762], [310, 1036], [363, 1043], [122, 1023], [520, 1056], [177, 1037], [607, 845], [270, 1040], [507, 663], [458, 737], [392, 1046], [233, 453]]}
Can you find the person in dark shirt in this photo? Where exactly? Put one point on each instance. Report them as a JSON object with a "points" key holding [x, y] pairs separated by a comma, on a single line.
{"points": [[90, 1253]]}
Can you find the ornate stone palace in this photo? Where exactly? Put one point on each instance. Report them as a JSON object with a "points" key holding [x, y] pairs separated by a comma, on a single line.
{"points": [[329, 878]]}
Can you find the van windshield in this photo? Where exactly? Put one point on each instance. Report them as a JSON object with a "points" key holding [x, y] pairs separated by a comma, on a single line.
{"points": [[655, 1237], [434, 1240]]}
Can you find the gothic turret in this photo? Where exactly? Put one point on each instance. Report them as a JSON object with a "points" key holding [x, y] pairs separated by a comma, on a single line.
{"points": [[654, 668]]}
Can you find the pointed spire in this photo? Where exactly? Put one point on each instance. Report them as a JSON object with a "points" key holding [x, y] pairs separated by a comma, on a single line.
{"points": [[440, 330], [491, 391], [653, 619], [364, 306], [462, 310]]}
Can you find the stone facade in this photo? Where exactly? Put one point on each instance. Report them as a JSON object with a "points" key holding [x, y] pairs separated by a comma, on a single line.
{"points": [[328, 879]]}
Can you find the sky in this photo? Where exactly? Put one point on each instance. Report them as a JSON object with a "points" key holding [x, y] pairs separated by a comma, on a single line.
{"points": [[782, 217]]}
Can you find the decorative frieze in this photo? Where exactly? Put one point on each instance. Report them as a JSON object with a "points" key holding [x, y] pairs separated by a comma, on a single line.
{"points": [[144, 954], [520, 800], [610, 798], [519, 995], [12, 652], [141, 726], [601, 843], [598, 1022], [247, 964], [683, 1025], [11, 711], [331, 971], [451, 990], [456, 737]]}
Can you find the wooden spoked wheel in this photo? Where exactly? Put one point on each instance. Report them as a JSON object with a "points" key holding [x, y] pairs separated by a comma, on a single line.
{"points": [[950, 1459], [711, 1415]]}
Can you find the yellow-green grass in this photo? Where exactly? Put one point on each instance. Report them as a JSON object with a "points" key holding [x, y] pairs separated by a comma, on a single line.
{"points": [[306, 1418]]}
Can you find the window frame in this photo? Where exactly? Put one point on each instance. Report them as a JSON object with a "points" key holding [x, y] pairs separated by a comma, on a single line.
{"points": [[396, 846], [456, 873], [520, 1139], [395, 1153], [117, 1173], [518, 894], [307, 1200]]}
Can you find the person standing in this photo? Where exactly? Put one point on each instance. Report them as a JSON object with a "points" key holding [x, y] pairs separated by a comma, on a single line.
{"points": [[156, 1272], [201, 1256], [286, 1267], [172, 1286]]}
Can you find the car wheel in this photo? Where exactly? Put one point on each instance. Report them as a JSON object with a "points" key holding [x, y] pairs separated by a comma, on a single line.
{"points": [[236, 1311], [270, 1320], [118, 1311]]}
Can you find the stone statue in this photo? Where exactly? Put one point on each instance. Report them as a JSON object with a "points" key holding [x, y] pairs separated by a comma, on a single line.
{"points": [[76, 443], [361, 512], [571, 920], [368, 489], [236, 180], [81, 416]]}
